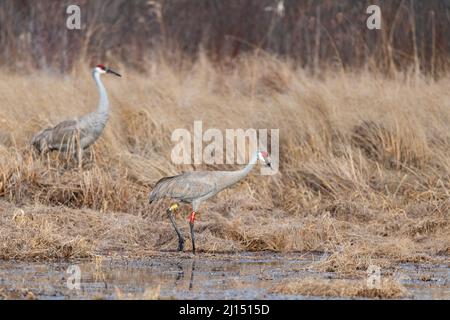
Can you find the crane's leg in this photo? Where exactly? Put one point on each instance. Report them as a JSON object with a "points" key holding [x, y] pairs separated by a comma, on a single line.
{"points": [[79, 155], [191, 226], [180, 237]]}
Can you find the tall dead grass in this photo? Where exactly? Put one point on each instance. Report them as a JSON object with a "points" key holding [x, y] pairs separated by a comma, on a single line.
{"points": [[364, 168]]}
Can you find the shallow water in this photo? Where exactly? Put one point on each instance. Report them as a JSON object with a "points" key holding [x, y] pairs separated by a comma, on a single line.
{"points": [[173, 276]]}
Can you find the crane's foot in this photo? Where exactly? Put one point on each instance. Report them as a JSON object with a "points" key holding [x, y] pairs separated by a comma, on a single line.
{"points": [[180, 244]]}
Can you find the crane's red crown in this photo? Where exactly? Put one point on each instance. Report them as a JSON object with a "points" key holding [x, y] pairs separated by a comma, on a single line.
{"points": [[264, 154], [101, 66]]}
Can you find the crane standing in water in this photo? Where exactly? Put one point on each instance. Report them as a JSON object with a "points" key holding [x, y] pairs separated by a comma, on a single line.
{"points": [[198, 186], [77, 133]]}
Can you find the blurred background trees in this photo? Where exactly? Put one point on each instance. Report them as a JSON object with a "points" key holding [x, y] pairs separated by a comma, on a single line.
{"points": [[314, 34]]}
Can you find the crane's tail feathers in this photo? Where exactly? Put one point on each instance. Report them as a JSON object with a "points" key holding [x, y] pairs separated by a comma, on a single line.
{"points": [[152, 197], [159, 190], [40, 140]]}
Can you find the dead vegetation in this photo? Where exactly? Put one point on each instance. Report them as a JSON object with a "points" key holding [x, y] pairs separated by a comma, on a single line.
{"points": [[364, 168], [16, 294], [148, 294], [388, 289]]}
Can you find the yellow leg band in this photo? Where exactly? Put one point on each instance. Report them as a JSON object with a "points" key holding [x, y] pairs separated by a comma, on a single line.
{"points": [[173, 207]]}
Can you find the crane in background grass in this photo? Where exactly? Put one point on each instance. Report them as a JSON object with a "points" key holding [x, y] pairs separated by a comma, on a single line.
{"points": [[197, 186], [77, 134]]}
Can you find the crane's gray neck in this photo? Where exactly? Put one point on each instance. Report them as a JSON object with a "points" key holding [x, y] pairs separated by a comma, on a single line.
{"points": [[103, 105], [250, 165], [242, 173]]}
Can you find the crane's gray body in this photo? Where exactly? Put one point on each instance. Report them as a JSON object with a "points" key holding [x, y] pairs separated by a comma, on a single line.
{"points": [[67, 134], [197, 186], [81, 132]]}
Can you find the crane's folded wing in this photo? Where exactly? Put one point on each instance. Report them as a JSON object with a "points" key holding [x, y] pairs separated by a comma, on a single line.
{"points": [[186, 187], [63, 134]]}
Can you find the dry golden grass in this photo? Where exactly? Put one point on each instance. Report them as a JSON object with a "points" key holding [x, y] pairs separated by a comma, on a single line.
{"points": [[388, 289], [364, 168], [148, 294], [16, 294]]}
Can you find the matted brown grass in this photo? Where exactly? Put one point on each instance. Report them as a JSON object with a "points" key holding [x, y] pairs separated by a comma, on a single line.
{"points": [[388, 288], [364, 168]]}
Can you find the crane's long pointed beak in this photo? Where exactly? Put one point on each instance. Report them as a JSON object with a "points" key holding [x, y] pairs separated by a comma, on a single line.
{"points": [[113, 72]]}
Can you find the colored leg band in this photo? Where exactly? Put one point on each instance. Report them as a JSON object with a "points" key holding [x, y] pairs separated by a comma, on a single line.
{"points": [[192, 217]]}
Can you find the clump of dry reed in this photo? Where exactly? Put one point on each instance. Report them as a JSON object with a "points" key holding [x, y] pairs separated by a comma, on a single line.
{"points": [[364, 168], [388, 289], [148, 294], [8, 293]]}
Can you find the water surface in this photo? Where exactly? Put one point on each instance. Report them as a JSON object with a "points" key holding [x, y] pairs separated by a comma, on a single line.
{"points": [[173, 276]]}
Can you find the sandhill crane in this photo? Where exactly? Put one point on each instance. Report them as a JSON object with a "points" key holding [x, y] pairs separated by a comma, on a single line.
{"points": [[77, 133], [197, 186]]}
